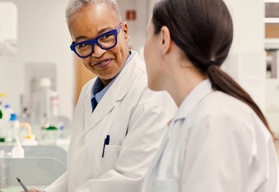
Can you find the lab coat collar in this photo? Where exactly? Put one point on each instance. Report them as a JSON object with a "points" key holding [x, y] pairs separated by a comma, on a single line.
{"points": [[203, 89], [115, 93]]}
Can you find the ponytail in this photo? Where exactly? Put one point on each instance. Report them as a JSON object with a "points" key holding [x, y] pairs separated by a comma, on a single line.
{"points": [[221, 81]]}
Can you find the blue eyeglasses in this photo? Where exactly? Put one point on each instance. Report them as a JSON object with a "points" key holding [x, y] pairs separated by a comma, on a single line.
{"points": [[105, 41]]}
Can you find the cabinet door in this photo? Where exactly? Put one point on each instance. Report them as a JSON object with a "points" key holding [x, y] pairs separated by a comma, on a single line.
{"points": [[83, 75], [272, 30]]}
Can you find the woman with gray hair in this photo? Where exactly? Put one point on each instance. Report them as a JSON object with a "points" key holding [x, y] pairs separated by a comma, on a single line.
{"points": [[118, 122]]}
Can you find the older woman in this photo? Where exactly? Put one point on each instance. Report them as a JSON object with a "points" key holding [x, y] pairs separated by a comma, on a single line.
{"points": [[118, 122]]}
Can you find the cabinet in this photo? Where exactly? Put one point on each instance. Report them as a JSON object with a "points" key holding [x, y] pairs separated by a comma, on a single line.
{"points": [[82, 76], [7, 49], [8, 28]]}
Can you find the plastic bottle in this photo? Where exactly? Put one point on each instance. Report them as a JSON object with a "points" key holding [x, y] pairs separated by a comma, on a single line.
{"points": [[17, 150], [49, 135], [54, 104], [4, 124], [41, 103], [12, 128], [7, 111]]}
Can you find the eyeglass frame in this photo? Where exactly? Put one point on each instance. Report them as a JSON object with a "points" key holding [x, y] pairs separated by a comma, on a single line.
{"points": [[95, 41]]}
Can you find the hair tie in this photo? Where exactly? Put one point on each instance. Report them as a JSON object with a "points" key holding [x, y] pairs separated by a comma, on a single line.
{"points": [[209, 63]]}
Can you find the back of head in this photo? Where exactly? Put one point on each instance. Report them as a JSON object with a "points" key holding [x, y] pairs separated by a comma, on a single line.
{"points": [[201, 28], [75, 5]]}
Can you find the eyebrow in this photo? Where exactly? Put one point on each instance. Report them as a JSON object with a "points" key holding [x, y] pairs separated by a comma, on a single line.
{"points": [[99, 33]]}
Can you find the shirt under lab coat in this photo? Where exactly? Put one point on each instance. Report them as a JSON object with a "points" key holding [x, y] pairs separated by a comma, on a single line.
{"points": [[215, 143], [134, 117]]}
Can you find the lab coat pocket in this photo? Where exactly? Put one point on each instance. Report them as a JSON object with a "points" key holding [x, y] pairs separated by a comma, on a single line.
{"points": [[111, 154], [167, 185]]}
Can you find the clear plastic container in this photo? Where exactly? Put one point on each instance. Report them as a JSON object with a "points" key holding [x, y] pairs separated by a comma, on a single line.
{"points": [[49, 135], [12, 129], [3, 174], [4, 165]]}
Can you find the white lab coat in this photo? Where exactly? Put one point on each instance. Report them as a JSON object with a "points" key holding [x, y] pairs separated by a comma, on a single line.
{"points": [[135, 119], [215, 143]]}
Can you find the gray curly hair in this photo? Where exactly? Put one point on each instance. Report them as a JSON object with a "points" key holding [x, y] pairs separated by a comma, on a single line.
{"points": [[74, 5]]}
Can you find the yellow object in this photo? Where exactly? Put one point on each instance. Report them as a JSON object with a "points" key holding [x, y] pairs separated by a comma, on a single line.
{"points": [[29, 130], [3, 95]]}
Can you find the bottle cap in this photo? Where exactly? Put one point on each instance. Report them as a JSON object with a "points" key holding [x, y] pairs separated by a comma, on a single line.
{"points": [[13, 117], [7, 106], [51, 128], [31, 137]]}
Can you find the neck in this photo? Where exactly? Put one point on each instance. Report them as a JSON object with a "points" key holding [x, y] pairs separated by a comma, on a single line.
{"points": [[183, 81]]}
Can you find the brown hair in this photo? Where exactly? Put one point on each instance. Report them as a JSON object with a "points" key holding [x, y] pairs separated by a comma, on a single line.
{"points": [[203, 29]]}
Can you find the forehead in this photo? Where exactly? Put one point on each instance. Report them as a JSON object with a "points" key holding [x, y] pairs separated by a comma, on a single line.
{"points": [[92, 19]]}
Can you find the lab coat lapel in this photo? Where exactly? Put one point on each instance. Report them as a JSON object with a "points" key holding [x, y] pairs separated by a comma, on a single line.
{"points": [[114, 94]]}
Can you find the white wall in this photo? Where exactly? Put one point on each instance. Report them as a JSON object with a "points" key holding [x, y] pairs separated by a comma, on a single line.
{"points": [[246, 62], [42, 38], [137, 28]]}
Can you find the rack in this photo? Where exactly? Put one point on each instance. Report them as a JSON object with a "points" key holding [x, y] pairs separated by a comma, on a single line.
{"points": [[271, 43]]}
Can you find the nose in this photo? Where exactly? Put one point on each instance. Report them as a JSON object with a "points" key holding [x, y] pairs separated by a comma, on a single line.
{"points": [[98, 51]]}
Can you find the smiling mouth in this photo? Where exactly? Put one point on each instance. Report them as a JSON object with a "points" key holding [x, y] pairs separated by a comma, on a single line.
{"points": [[102, 63]]}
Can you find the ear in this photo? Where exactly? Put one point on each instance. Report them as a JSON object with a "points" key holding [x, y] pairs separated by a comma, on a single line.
{"points": [[125, 30], [165, 40]]}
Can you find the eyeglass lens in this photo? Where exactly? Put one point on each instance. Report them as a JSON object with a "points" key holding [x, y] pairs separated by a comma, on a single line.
{"points": [[105, 41]]}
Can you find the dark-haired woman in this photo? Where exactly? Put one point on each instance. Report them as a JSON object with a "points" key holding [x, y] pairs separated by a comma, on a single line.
{"points": [[219, 140]]}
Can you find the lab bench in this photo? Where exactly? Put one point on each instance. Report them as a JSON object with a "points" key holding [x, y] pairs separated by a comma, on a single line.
{"points": [[19, 188]]}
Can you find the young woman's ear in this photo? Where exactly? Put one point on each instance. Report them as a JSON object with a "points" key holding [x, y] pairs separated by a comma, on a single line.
{"points": [[165, 40]]}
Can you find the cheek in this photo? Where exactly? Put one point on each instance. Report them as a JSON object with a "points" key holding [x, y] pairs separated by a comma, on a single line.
{"points": [[152, 67], [147, 53], [120, 52], [119, 62], [86, 62], [156, 75]]}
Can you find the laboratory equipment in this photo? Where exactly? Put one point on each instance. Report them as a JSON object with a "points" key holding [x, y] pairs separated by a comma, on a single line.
{"points": [[12, 128], [17, 150], [44, 105], [3, 170]]}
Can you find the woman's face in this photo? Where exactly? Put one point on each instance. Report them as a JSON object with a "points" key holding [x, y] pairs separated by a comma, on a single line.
{"points": [[88, 23], [153, 59]]}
